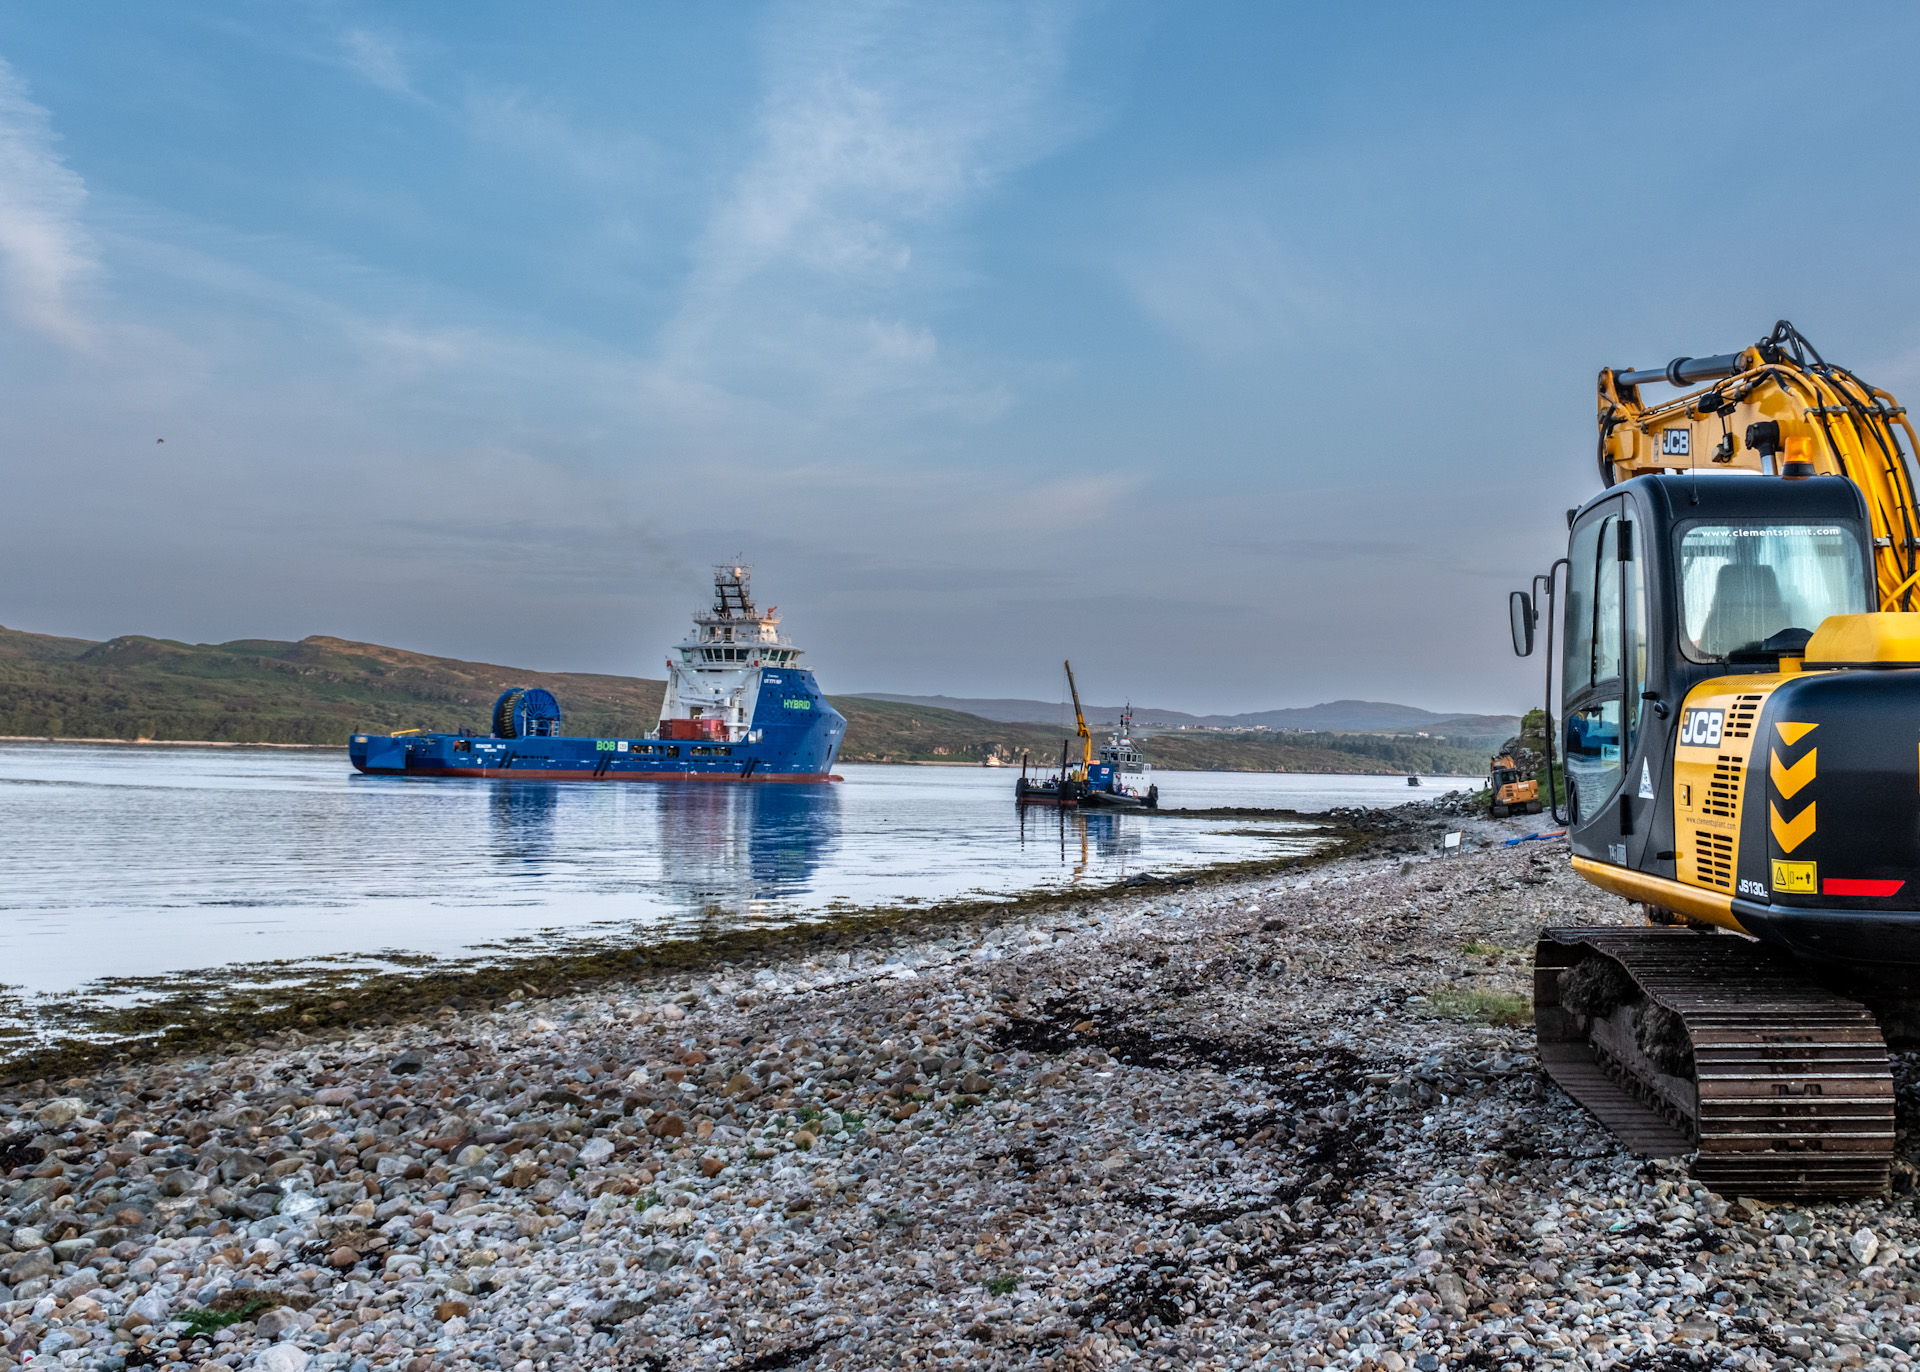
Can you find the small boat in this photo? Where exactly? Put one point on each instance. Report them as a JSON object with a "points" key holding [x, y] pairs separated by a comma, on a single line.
{"points": [[1413, 781], [1121, 779]]}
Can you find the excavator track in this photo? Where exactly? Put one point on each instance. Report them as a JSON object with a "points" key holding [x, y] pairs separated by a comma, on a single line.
{"points": [[1684, 1043]]}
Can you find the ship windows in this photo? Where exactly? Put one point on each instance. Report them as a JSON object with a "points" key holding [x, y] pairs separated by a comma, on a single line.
{"points": [[713, 750], [657, 749]]}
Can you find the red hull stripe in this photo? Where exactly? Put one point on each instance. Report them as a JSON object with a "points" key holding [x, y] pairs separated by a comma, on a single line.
{"points": [[538, 774], [1853, 886]]}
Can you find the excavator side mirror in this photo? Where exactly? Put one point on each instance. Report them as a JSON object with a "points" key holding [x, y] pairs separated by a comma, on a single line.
{"points": [[1520, 611]]}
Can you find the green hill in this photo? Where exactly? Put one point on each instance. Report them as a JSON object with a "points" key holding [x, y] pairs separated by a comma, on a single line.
{"points": [[320, 690]]}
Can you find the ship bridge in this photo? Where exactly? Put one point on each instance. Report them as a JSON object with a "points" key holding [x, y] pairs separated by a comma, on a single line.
{"points": [[714, 673]]}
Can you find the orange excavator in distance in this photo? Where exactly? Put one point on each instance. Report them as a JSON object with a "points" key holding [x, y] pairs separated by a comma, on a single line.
{"points": [[1513, 793], [1738, 660]]}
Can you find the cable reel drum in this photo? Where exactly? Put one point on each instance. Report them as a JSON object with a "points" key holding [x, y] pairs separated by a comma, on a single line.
{"points": [[526, 712]]}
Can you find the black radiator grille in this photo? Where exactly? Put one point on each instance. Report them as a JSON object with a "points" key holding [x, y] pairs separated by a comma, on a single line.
{"points": [[1740, 717], [1713, 859], [1723, 792]]}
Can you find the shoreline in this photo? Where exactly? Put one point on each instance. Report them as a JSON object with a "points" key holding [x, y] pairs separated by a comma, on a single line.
{"points": [[1273, 1120], [167, 742], [195, 1014], [908, 762]]}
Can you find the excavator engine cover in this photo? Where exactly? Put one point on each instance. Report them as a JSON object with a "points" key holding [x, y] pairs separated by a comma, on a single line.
{"points": [[1829, 831]]}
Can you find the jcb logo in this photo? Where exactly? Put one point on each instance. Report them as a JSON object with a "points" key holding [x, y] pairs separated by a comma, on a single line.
{"points": [[1676, 442], [1701, 728]]}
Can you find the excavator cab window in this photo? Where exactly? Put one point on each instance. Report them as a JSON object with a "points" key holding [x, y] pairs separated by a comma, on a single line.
{"points": [[1745, 584]]}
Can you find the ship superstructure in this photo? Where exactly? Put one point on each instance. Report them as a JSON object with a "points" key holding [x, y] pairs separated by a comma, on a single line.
{"points": [[1123, 770], [715, 675], [738, 707]]}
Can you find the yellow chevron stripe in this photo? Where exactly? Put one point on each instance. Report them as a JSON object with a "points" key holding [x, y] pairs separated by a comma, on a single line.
{"points": [[1789, 780], [1791, 833], [1793, 733]]}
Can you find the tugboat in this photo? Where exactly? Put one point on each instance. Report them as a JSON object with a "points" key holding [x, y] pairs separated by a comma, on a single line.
{"points": [[1121, 778], [738, 707]]}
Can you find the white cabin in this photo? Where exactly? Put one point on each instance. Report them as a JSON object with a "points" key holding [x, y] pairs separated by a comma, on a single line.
{"points": [[714, 673]]}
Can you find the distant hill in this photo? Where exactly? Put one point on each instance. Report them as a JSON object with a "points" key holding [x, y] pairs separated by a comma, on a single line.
{"points": [[1336, 714], [321, 690]]}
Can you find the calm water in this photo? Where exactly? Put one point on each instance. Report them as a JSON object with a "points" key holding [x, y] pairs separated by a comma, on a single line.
{"points": [[122, 861]]}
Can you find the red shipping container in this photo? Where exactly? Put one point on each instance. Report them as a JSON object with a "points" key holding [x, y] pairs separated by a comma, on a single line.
{"points": [[700, 729]]}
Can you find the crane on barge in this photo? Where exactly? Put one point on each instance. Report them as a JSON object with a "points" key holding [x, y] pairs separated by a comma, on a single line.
{"points": [[1740, 706], [1071, 786]]}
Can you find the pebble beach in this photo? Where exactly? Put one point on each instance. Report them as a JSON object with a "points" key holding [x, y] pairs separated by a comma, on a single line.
{"points": [[1292, 1120]]}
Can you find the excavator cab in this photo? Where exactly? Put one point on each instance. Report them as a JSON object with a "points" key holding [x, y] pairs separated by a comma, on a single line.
{"points": [[1727, 769], [1692, 678]]}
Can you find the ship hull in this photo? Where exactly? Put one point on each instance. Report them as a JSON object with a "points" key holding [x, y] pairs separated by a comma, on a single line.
{"points": [[793, 738], [554, 774]]}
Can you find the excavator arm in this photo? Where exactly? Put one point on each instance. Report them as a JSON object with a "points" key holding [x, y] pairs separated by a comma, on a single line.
{"points": [[1776, 407]]}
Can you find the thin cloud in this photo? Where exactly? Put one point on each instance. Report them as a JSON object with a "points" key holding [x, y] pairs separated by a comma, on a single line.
{"points": [[534, 128], [45, 253], [881, 123], [1223, 281], [377, 59]]}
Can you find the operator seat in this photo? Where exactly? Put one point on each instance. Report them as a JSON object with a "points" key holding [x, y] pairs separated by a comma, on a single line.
{"points": [[1747, 609]]}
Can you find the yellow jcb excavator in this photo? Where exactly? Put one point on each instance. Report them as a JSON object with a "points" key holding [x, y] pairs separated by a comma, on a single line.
{"points": [[1512, 793], [1739, 706]]}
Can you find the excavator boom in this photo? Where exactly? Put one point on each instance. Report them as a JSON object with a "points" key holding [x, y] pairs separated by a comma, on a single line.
{"points": [[1781, 409]]}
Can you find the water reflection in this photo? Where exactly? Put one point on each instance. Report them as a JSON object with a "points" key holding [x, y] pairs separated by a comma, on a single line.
{"points": [[124, 862], [742, 847], [522, 814], [1086, 839]]}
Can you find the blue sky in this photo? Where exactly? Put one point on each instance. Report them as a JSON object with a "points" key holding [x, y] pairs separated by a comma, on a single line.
{"points": [[1244, 353]]}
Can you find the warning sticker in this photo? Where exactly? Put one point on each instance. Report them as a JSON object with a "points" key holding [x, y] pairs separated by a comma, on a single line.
{"points": [[1798, 878], [1646, 780]]}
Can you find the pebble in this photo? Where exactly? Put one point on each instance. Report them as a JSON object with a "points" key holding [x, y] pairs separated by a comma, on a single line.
{"points": [[1275, 1122]]}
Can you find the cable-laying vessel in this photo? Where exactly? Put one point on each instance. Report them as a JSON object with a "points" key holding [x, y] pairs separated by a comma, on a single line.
{"points": [[738, 706], [1740, 697]]}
